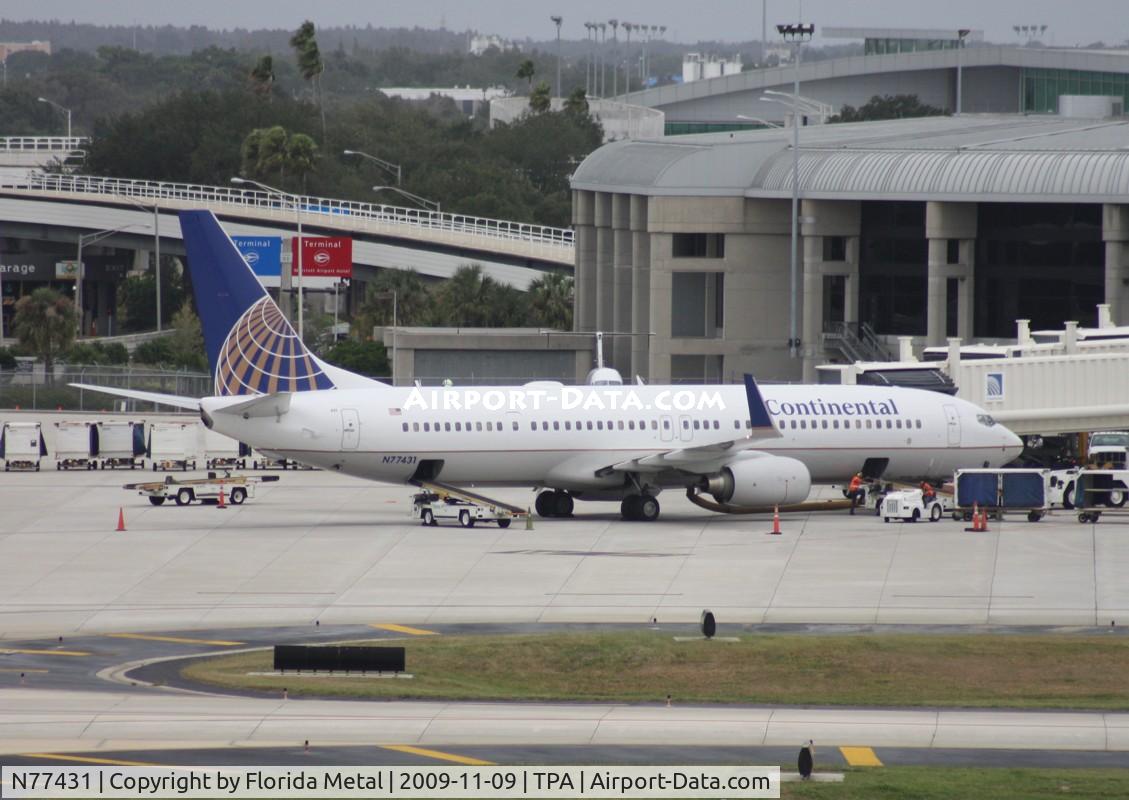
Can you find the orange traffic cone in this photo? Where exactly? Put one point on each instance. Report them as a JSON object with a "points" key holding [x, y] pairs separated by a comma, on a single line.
{"points": [[775, 521], [975, 519], [984, 521], [221, 503], [121, 519]]}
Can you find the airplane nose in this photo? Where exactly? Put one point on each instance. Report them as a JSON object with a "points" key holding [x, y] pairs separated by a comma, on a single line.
{"points": [[1013, 445]]}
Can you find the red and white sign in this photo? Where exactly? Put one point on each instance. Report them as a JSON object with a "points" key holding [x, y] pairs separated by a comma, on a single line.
{"points": [[323, 257]]}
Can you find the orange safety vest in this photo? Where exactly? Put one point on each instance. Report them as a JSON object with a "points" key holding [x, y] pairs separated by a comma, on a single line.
{"points": [[856, 483]]}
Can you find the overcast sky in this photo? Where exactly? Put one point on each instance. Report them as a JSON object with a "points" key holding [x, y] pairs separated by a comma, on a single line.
{"points": [[1069, 22]]}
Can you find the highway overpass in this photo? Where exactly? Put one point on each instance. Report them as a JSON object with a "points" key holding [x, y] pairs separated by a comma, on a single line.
{"points": [[56, 207]]}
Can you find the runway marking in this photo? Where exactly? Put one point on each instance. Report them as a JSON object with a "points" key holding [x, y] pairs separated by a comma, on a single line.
{"points": [[405, 629], [21, 671], [6, 651], [173, 639], [860, 756], [91, 760], [437, 754]]}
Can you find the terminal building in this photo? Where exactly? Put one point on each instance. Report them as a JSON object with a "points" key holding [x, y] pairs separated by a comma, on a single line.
{"points": [[929, 227], [995, 79]]}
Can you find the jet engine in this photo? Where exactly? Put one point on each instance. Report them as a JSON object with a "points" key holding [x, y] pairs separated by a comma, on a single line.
{"points": [[760, 481]]}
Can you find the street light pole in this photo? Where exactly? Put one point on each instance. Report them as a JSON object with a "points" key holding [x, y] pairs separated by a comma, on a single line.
{"points": [[430, 205], [395, 169], [83, 240], [66, 111], [960, 77], [156, 247], [797, 34], [293, 198], [558, 20], [615, 56]]}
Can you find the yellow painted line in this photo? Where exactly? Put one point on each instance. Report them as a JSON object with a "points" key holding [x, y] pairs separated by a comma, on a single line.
{"points": [[174, 639], [406, 629], [17, 669], [20, 652], [860, 756], [438, 754], [91, 760]]}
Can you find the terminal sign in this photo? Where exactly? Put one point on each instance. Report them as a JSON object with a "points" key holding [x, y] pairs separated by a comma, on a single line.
{"points": [[262, 253], [324, 256]]}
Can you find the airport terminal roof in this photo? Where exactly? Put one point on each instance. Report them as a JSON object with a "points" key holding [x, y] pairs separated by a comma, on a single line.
{"points": [[973, 157]]}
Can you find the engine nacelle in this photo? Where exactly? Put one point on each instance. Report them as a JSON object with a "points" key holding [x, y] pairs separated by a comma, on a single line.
{"points": [[761, 481]]}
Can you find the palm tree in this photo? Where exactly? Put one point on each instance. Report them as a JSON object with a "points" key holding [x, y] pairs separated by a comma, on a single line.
{"points": [[301, 150], [465, 299], [262, 76], [45, 324], [413, 301], [525, 71], [550, 301], [541, 99], [577, 102], [305, 44]]}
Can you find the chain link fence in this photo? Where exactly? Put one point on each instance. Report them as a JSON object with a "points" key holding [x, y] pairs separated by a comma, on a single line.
{"points": [[30, 388]]}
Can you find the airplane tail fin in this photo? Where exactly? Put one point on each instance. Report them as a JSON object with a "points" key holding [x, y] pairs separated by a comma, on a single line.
{"points": [[252, 348]]}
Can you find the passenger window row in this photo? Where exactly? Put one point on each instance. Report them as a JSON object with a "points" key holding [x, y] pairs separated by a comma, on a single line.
{"points": [[860, 424]]}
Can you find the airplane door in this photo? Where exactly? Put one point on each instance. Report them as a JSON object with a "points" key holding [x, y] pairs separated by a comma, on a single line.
{"points": [[952, 418], [666, 429], [684, 431], [350, 429]]}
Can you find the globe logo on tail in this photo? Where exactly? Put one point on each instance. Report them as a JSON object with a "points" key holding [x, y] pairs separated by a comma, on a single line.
{"points": [[263, 355]]}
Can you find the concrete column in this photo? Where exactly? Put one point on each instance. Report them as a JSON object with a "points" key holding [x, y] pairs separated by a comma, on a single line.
{"points": [[811, 285], [945, 221], [823, 219], [1115, 232], [937, 292], [661, 284], [641, 289], [622, 246], [605, 274], [584, 293]]}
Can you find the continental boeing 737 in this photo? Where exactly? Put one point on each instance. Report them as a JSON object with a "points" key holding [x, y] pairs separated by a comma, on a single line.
{"points": [[744, 445]]}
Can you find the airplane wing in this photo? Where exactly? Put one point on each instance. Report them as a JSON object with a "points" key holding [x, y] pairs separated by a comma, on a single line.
{"points": [[174, 400], [709, 457]]}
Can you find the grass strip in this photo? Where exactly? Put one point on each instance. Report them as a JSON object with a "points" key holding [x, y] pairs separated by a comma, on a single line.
{"points": [[978, 670]]}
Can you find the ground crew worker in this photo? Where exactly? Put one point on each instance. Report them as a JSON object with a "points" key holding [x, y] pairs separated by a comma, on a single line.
{"points": [[856, 492], [927, 491]]}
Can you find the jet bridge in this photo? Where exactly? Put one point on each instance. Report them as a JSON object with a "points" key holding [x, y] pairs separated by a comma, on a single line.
{"points": [[1065, 381]]}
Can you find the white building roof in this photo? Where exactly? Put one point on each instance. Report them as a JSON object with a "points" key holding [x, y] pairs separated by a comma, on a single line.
{"points": [[972, 157]]}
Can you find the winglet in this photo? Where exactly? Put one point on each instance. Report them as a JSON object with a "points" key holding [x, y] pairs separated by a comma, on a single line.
{"points": [[758, 411]]}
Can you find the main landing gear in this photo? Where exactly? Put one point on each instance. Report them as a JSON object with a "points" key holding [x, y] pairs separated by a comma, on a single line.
{"points": [[554, 504], [640, 507]]}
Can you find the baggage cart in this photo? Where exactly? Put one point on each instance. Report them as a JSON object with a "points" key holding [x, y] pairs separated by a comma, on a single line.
{"points": [[223, 452], [120, 444], [76, 444], [22, 446], [236, 489], [173, 445], [1002, 490]]}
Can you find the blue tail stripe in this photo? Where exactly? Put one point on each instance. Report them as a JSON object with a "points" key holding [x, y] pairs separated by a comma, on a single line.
{"points": [[758, 411]]}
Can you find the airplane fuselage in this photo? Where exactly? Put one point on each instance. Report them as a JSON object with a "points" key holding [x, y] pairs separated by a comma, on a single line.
{"points": [[567, 437]]}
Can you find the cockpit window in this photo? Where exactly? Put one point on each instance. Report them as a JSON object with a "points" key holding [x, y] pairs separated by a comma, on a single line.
{"points": [[986, 420]]}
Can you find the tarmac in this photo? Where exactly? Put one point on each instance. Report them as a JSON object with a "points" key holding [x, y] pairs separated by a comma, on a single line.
{"points": [[318, 551], [317, 546]]}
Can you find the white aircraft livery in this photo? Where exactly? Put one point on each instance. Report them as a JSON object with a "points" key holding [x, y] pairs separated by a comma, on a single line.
{"points": [[745, 445]]}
